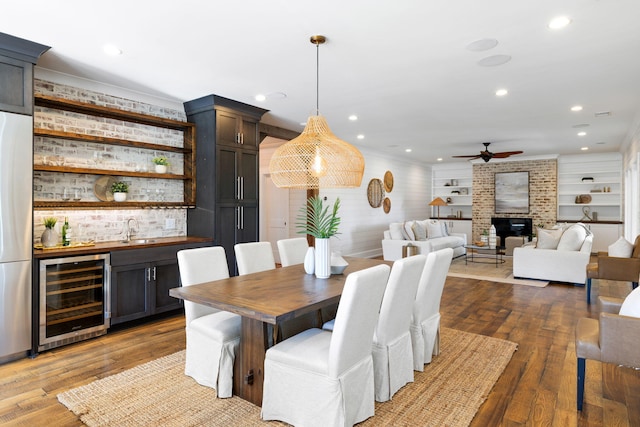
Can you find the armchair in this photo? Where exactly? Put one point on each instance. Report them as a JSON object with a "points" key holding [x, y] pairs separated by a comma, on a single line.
{"points": [[612, 338], [615, 268]]}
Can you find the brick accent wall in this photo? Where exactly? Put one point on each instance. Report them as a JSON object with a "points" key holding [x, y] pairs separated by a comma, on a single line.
{"points": [[543, 177], [105, 224]]}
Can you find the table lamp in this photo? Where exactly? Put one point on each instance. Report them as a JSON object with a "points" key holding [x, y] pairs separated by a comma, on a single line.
{"points": [[438, 202]]}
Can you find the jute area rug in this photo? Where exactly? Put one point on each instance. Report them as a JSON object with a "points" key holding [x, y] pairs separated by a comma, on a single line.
{"points": [[448, 393], [485, 269]]}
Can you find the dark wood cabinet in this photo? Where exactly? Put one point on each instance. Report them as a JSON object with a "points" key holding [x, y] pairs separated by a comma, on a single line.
{"points": [[17, 57], [129, 293], [235, 129], [141, 279], [227, 140]]}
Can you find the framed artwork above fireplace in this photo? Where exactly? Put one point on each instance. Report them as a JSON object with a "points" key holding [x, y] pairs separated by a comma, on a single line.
{"points": [[511, 192]]}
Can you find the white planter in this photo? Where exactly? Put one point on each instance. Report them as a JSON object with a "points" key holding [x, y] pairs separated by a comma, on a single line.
{"points": [[119, 197], [323, 259], [161, 168], [50, 238], [310, 261]]}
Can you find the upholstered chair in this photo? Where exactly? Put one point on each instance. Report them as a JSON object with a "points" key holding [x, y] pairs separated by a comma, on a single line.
{"points": [[615, 268], [320, 378], [254, 257], [392, 354], [612, 338], [213, 336], [292, 251], [425, 320]]}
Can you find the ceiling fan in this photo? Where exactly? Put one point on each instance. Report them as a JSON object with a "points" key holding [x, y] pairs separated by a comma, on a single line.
{"points": [[487, 155]]}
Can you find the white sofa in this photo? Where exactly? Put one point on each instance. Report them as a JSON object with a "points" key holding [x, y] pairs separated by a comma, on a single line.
{"points": [[559, 255], [428, 235]]}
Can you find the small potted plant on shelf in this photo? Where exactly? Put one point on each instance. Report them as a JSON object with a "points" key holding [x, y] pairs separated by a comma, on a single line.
{"points": [[119, 190], [161, 163], [49, 237]]}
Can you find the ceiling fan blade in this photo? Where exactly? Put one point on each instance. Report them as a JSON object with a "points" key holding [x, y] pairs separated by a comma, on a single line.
{"points": [[477, 156], [504, 154]]}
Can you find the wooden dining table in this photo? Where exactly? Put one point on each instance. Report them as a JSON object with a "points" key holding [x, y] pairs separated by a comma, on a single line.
{"points": [[265, 300]]}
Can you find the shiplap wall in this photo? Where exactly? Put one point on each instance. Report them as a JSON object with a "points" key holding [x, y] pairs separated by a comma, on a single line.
{"points": [[361, 225]]}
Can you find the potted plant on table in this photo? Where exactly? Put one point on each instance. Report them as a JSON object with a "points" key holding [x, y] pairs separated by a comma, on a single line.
{"points": [[161, 163], [49, 237], [316, 220], [119, 190]]}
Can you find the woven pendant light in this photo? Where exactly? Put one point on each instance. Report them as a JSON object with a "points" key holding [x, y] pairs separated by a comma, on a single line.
{"points": [[316, 158]]}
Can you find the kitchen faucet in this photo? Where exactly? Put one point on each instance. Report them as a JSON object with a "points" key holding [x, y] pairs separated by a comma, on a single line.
{"points": [[129, 230]]}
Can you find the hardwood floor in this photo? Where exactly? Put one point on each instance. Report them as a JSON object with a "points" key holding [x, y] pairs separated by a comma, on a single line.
{"points": [[537, 387]]}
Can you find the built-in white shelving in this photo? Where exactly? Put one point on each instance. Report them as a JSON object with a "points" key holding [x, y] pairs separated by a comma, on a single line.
{"points": [[453, 183], [598, 176]]}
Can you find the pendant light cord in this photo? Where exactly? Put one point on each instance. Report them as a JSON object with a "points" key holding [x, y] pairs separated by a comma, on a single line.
{"points": [[317, 79]]}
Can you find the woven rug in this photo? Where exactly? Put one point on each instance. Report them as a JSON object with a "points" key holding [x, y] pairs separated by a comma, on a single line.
{"points": [[486, 269], [448, 393]]}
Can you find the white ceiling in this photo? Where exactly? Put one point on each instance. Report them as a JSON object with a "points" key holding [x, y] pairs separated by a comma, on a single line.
{"points": [[402, 67]]}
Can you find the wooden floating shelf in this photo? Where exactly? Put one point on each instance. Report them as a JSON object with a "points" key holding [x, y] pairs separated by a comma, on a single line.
{"points": [[90, 171], [46, 205], [105, 140]]}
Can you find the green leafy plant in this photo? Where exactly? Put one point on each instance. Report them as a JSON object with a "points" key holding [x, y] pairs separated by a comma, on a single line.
{"points": [[161, 160], [50, 222], [317, 220], [119, 187]]}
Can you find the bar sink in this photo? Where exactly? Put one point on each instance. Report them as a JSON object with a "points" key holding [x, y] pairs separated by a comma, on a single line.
{"points": [[139, 241]]}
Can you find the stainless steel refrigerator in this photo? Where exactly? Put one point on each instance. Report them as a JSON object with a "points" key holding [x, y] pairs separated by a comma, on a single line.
{"points": [[16, 235]]}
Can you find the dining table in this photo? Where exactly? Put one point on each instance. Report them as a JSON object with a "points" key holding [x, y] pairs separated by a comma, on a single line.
{"points": [[264, 300]]}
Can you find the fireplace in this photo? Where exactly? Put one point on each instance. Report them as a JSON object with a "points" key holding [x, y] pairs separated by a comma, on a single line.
{"points": [[512, 227]]}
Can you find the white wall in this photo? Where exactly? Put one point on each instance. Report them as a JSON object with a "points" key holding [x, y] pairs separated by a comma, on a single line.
{"points": [[362, 226]]}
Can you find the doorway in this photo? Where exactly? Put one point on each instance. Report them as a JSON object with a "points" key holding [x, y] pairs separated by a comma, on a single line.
{"points": [[276, 208]]}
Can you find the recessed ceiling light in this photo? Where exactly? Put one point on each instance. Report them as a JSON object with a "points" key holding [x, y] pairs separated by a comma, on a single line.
{"points": [[408, 150], [439, 159], [600, 143], [576, 108], [482, 44], [501, 92], [112, 50], [353, 117], [495, 60], [580, 125], [361, 136], [303, 123], [559, 22], [582, 133], [584, 148], [602, 114], [260, 97]]}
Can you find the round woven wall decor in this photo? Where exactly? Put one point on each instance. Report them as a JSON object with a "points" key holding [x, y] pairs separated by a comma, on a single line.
{"points": [[375, 193], [388, 181]]}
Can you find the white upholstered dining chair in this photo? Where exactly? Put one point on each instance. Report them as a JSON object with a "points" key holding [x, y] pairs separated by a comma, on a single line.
{"points": [[292, 251], [392, 355], [425, 322], [254, 257], [213, 335], [320, 378]]}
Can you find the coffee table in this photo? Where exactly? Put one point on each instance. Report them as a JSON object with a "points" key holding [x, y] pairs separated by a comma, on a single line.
{"points": [[481, 254]]}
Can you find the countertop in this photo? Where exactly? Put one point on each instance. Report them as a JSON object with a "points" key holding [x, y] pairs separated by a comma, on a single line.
{"points": [[103, 247]]}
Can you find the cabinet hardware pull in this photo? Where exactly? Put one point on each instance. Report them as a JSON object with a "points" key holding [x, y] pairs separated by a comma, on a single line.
{"points": [[238, 217], [149, 274], [242, 217], [242, 188], [242, 138], [154, 273], [238, 188]]}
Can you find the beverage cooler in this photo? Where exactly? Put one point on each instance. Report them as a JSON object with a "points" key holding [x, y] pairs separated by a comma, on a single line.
{"points": [[74, 299]]}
